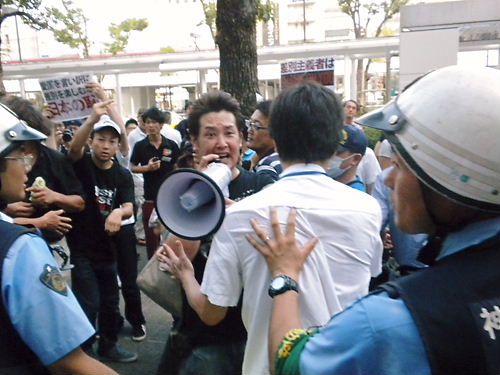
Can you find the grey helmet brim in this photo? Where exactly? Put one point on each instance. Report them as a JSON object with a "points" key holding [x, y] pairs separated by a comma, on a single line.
{"points": [[446, 126], [15, 131]]}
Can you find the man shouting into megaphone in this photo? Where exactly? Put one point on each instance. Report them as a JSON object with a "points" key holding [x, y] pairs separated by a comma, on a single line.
{"points": [[215, 126]]}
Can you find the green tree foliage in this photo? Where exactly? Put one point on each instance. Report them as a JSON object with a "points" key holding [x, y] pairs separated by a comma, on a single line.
{"points": [[120, 33], [167, 49], [363, 13], [69, 27], [29, 11], [210, 11], [266, 11]]}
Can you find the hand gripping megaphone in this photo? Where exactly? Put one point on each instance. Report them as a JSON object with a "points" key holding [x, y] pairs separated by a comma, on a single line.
{"points": [[191, 203]]}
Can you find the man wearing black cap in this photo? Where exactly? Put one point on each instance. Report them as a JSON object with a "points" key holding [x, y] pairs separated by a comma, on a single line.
{"points": [[109, 197]]}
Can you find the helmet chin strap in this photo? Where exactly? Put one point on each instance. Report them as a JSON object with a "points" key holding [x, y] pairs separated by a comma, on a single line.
{"points": [[445, 227]]}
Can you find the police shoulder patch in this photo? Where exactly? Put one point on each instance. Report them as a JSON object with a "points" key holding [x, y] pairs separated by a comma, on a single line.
{"points": [[52, 279]]}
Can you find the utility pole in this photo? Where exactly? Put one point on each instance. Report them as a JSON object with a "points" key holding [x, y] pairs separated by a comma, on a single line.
{"points": [[304, 18]]}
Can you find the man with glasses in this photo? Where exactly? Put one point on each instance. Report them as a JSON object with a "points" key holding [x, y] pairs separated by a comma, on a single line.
{"points": [[443, 319], [267, 160], [306, 124], [33, 292]]}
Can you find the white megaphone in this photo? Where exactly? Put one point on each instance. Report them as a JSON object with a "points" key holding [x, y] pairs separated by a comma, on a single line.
{"points": [[191, 203]]}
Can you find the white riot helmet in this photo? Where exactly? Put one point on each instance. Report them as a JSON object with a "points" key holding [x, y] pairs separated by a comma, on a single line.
{"points": [[446, 126], [14, 131]]}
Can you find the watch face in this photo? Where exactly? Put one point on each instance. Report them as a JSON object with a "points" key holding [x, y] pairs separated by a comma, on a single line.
{"points": [[278, 283]]}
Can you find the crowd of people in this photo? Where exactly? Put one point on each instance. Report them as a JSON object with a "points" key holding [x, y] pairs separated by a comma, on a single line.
{"points": [[332, 258]]}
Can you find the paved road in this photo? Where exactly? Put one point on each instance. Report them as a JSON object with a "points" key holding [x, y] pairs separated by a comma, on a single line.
{"points": [[158, 323]]}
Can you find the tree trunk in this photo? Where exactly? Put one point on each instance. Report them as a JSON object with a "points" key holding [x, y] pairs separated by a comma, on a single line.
{"points": [[238, 51]]}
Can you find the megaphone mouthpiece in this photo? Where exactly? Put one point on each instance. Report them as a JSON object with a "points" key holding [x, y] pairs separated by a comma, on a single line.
{"points": [[196, 196], [191, 203]]}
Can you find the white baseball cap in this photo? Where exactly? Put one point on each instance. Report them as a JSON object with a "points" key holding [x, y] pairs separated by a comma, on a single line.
{"points": [[106, 122]]}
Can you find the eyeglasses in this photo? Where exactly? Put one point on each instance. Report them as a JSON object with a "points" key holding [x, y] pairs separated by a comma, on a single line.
{"points": [[252, 125], [26, 159]]}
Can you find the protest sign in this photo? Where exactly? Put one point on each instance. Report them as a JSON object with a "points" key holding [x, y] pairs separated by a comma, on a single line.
{"points": [[67, 98], [319, 69]]}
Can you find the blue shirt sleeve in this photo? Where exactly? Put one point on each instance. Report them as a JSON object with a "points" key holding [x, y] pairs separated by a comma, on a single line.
{"points": [[375, 335], [51, 323]]}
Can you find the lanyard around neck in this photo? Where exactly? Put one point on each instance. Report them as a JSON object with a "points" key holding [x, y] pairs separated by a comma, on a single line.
{"points": [[302, 174]]}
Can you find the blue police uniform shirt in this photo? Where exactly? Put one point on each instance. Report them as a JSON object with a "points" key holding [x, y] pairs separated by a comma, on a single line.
{"points": [[377, 334], [50, 323], [406, 246], [357, 184]]}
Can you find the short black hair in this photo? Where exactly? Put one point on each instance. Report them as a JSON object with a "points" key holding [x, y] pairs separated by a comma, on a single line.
{"points": [[154, 114], [306, 123], [187, 105], [131, 121], [264, 107], [352, 101], [214, 101]]}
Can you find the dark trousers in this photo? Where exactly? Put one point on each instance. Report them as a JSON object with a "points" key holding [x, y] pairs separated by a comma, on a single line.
{"points": [[152, 239], [94, 283], [179, 358], [126, 258]]}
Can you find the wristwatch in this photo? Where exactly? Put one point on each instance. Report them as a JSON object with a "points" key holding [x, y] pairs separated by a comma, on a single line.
{"points": [[280, 284]]}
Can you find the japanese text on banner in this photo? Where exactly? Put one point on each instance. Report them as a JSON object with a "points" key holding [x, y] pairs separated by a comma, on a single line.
{"points": [[67, 98]]}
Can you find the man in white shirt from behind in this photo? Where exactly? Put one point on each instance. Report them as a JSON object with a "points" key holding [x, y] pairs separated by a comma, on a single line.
{"points": [[346, 222]]}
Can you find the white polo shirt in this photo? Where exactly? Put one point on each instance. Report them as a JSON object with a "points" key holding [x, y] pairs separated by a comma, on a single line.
{"points": [[347, 223], [368, 167]]}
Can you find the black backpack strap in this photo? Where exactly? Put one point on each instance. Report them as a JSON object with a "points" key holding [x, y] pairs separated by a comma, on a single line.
{"points": [[9, 233]]}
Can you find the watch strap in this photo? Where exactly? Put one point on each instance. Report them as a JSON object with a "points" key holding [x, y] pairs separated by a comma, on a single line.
{"points": [[290, 284]]}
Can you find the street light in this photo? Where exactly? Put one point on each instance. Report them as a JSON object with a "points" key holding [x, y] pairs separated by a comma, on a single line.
{"points": [[304, 17]]}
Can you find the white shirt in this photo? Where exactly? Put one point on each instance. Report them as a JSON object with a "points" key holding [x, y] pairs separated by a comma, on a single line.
{"points": [[135, 136], [385, 149], [347, 223], [173, 134], [5, 217], [368, 167]]}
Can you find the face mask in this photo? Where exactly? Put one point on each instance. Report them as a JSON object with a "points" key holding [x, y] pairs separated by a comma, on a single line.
{"points": [[333, 169]]}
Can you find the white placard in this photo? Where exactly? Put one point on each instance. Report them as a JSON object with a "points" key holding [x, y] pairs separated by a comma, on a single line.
{"points": [[66, 96]]}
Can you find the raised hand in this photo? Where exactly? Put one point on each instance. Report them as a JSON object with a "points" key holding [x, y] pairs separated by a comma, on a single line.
{"points": [[282, 254]]}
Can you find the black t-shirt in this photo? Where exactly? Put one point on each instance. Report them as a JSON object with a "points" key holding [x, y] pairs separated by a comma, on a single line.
{"points": [[168, 152], [59, 176], [105, 190], [231, 328]]}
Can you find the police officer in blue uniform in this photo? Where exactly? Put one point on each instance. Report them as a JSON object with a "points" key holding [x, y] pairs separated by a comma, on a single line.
{"points": [[445, 129], [42, 323]]}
